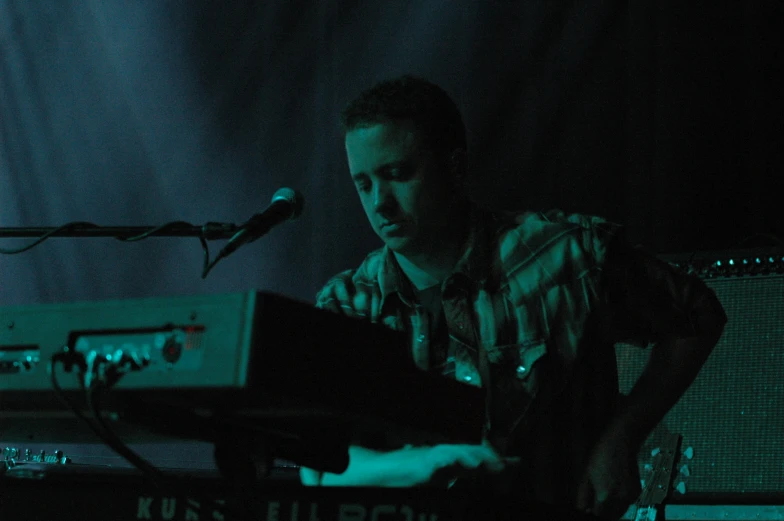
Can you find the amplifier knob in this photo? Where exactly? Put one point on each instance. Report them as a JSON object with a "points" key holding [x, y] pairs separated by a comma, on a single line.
{"points": [[172, 349]]}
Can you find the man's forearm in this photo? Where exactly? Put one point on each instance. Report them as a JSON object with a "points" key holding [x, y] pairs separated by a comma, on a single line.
{"points": [[672, 367], [401, 468]]}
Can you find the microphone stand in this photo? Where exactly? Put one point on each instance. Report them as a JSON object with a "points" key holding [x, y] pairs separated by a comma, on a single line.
{"points": [[286, 204], [207, 232]]}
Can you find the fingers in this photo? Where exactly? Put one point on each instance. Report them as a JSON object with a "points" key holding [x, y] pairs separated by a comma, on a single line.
{"points": [[342, 296], [449, 462], [342, 291], [336, 295], [483, 457]]}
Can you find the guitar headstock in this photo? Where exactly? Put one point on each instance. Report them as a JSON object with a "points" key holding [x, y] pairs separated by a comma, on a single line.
{"points": [[660, 474]]}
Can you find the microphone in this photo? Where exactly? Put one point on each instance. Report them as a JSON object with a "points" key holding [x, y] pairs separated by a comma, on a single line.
{"points": [[286, 205]]}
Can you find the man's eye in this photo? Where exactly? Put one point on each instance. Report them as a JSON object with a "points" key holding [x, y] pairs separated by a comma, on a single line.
{"points": [[397, 173], [363, 187]]}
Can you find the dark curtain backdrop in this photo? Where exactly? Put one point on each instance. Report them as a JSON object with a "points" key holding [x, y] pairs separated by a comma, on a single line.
{"points": [[664, 116]]}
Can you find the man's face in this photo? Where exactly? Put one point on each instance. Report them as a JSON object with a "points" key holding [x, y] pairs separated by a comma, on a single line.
{"points": [[404, 188]]}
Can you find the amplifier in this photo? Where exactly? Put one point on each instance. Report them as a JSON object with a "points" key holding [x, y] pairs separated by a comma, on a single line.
{"points": [[732, 417]]}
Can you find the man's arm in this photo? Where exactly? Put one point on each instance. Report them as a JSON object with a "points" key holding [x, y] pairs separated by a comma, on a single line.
{"points": [[651, 302], [411, 466], [370, 468], [683, 319], [671, 368]]}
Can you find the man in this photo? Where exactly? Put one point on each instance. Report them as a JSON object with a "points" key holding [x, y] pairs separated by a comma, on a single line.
{"points": [[526, 306]]}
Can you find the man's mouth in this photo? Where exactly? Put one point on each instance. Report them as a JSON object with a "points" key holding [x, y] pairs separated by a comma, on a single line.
{"points": [[392, 226]]}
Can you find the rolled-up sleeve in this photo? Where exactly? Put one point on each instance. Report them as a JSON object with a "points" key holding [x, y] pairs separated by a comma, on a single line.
{"points": [[649, 300]]}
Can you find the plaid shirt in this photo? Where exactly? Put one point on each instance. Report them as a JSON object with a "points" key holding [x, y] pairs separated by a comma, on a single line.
{"points": [[533, 310]]}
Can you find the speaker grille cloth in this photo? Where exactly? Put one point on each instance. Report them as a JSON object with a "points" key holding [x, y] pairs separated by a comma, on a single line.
{"points": [[733, 414]]}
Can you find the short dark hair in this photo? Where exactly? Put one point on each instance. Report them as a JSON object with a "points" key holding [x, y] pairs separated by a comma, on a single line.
{"points": [[410, 98]]}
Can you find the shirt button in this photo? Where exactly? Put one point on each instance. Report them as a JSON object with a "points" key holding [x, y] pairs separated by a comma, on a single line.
{"points": [[421, 339], [521, 370]]}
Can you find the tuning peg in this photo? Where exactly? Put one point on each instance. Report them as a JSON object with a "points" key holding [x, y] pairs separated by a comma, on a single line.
{"points": [[685, 471], [689, 452], [681, 487]]}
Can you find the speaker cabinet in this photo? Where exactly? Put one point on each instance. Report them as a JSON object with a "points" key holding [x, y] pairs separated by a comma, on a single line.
{"points": [[732, 417]]}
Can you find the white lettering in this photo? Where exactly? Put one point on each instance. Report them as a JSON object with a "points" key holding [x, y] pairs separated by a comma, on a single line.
{"points": [[168, 507], [314, 512], [217, 515], [352, 512], [294, 511], [273, 511], [143, 510], [381, 510], [190, 514]]}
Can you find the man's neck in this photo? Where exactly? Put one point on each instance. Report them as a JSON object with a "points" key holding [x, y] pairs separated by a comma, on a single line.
{"points": [[426, 270], [420, 277]]}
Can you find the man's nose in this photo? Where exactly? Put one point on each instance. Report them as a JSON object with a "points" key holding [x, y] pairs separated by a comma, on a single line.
{"points": [[382, 196]]}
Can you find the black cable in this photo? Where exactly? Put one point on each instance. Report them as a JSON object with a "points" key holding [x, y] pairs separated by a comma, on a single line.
{"points": [[104, 433], [207, 230], [98, 426], [162, 482], [154, 230], [205, 247], [108, 436], [80, 225], [207, 265], [58, 391], [48, 234], [158, 479]]}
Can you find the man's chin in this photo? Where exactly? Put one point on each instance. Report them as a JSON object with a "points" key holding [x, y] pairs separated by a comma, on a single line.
{"points": [[401, 245], [397, 244]]}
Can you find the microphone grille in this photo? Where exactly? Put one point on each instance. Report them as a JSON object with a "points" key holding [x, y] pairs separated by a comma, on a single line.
{"points": [[293, 198]]}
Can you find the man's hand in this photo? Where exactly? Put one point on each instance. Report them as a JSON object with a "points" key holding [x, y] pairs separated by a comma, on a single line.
{"points": [[343, 297], [412, 466], [445, 463], [612, 480]]}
